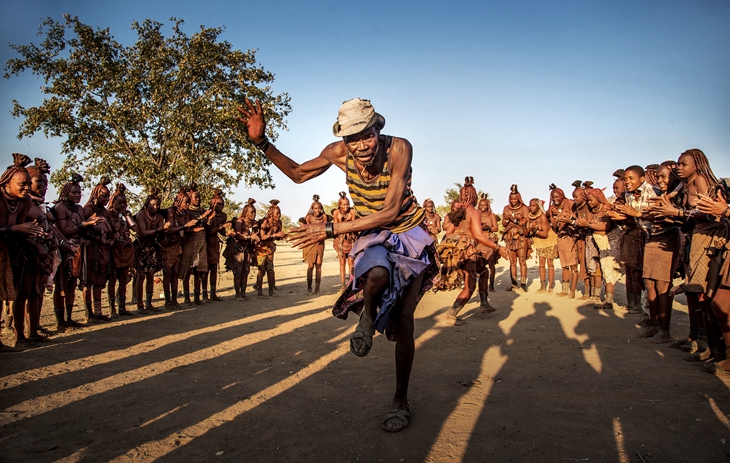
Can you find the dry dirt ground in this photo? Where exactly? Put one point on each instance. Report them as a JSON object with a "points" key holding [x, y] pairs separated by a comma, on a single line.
{"points": [[542, 379]]}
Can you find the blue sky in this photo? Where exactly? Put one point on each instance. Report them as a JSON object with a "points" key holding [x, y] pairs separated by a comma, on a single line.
{"points": [[531, 93]]}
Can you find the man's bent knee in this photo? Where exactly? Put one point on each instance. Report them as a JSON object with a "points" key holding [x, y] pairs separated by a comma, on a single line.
{"points": [[377, 276]]}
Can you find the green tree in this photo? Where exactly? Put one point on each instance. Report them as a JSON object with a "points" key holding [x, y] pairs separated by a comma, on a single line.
{"points": [[157, 113]]}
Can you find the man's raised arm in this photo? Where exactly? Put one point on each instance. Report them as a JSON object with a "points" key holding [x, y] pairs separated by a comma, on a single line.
{"points": [[299, 173]]}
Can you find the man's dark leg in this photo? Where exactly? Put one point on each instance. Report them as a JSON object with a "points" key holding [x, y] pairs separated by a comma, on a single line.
{"points": [[399, 416], [376, 281]]}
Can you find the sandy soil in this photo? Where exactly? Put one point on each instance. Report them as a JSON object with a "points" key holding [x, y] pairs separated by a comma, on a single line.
{"points": [[542, 379]]}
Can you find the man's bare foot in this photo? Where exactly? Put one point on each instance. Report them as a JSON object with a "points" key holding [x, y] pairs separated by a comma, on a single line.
{"points": [[648, 331], [660, 338], [397, 419]]}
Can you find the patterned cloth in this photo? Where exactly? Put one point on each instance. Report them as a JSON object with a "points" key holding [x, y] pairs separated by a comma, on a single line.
{"points": [[592, 261], [641, 203], [452, 252], [7, 286], [703, 265], [369, 197], [98, 265], [406, 255], [609, 252], [147, 257], [194, 254]]}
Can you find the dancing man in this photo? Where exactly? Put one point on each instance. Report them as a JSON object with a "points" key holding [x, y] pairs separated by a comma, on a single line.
{"points": [[394, 262]]}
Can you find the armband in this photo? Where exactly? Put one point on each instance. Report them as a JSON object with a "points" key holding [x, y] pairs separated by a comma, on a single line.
{"points": [[263, 145], [329, 229]]}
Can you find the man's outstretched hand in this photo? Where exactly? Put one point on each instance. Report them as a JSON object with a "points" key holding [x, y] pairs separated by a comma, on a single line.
{"points": [[254, 120]]}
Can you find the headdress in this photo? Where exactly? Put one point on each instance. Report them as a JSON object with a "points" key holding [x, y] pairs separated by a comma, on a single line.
{"points": [[619, 174], [40, 167], [650, 173], [514, 191], [555, 189], [468, 194], [598, 194], [579, 188], [355, 116], [19, 163], [272, 207], [485, 197], [74, 179], [101, 186], [180, 197], [249, 205], [153, 194], [119, 192], [217, 194]]}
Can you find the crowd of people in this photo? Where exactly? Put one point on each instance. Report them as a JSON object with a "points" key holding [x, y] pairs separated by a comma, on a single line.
{"points": [[102, 247], [664, 223]]}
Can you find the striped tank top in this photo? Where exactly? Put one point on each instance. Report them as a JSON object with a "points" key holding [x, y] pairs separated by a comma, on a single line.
{"points": [[368, 198]]}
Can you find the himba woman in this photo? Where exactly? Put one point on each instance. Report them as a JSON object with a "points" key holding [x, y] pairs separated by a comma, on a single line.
{"points": [[718, 207], [97, 251], [176, 221], [708, 236], [468, 223], [545, 242], [433, 220], [70, 222], [314, 253], [619, 187], [270, 230], [39, 254], [487, 257], [514, 221], [589, 270], [560, 214], [194, 260], [122, 260], [216, 224], [451, 276], [151, 226], [240, 247], [343, 243], [607, 238], [14, 230]]}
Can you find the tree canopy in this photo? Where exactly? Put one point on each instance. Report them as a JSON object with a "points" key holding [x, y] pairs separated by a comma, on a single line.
{"points": [[157, 113]]}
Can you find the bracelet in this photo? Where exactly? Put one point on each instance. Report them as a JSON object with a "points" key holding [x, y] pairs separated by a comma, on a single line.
{"points": [[5, 230], [329, 229], [263, 145]]}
